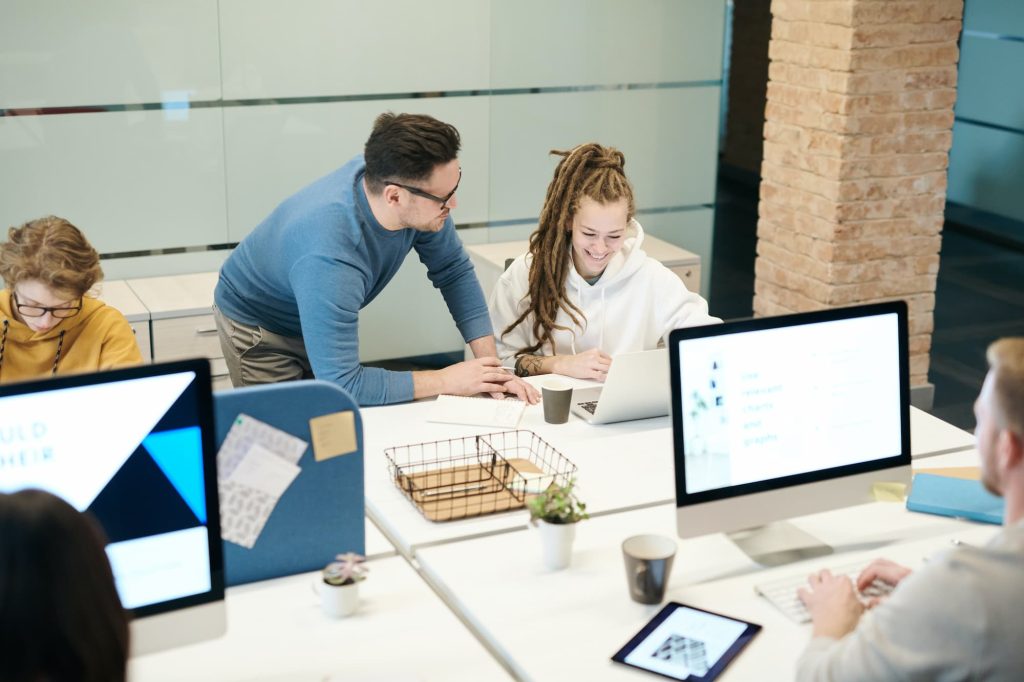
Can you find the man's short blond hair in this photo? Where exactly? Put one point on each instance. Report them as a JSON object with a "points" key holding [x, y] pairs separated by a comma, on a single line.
{"points": [[1006, 360]]}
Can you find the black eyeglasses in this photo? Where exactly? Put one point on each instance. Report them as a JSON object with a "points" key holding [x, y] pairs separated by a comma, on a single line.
{"points": [[40, 310], [427, 195]]}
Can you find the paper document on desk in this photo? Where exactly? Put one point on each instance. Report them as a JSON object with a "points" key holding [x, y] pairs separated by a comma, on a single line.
{"points": [[457, 409], [255, 466]]}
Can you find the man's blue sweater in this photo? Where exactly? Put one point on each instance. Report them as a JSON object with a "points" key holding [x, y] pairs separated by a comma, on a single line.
{"points": [[319, 258]]}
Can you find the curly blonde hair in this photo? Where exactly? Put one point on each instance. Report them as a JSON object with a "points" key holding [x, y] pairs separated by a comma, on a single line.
{"points": [[53, 251], [588, 170]]}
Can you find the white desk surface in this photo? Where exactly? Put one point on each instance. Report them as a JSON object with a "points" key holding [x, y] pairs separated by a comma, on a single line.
{"points": [[118, 294], [566, 624], [621, 466], [377, 546], [276, 632], [176, 295]]}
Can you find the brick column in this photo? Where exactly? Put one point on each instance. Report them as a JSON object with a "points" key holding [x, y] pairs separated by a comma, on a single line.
{"points": [[858, 127]]}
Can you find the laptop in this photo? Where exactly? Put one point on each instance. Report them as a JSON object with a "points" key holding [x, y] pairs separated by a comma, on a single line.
{"points": [[637, 387]]}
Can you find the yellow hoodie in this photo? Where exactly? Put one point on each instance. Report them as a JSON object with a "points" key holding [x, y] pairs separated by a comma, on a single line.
{"points": [[96, 338]]}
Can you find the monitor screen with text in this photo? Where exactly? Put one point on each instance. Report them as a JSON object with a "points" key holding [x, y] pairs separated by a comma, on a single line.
{"points": [[784, 399]]}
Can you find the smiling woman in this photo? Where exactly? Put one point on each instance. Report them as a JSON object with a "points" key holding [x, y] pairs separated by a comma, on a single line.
{"points": [[586, 290], [48, 322]]}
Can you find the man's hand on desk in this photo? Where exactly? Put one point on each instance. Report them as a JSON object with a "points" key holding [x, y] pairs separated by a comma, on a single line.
{"points": [[485, 375], [522, 390]]}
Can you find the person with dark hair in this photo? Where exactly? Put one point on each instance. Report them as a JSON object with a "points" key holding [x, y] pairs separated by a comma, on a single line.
{"points": [[958, 616], [586, 290], [60, 614], [289, 296], [49, 324]]}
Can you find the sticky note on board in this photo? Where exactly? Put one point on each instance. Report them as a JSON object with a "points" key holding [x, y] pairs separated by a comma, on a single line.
{"points": [[333, 434], [888, 491]]}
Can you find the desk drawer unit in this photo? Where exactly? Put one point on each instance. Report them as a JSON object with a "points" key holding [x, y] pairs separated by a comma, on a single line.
{"points": [[141, 331], [175, 338]]}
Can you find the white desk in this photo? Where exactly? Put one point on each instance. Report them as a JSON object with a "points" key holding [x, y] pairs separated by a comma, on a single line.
{"points": [[402, 633], [566, 624], [622, 466], [377, 546]]}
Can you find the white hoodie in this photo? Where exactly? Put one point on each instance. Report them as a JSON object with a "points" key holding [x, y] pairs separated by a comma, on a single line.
{"points": [[632, 307]]}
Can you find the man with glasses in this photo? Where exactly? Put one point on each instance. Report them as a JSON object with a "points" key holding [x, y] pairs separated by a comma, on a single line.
{"points": [[289, 296], [48, 322]]}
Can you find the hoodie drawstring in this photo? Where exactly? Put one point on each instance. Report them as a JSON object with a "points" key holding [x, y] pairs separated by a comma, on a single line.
{"points": [[3, 344]]}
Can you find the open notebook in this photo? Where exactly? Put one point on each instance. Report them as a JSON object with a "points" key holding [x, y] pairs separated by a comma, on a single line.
{"points": [[457, 409]]}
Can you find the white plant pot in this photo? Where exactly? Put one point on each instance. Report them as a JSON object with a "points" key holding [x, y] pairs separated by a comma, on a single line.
{"points": [[338, 601], [556, 543]]}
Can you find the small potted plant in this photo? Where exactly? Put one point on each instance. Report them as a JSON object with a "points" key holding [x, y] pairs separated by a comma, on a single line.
{"points": [[339, 594], [556, 511]]}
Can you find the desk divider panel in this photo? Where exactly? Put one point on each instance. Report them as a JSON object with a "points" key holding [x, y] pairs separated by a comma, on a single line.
{"points": [[322, 512]]}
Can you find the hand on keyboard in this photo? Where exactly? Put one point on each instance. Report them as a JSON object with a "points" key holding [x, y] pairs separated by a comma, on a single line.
{"points": [[878, 579], [871, 580]]}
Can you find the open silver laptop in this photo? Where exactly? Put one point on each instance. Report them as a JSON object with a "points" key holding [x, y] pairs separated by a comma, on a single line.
{"points": [[637, 387]]}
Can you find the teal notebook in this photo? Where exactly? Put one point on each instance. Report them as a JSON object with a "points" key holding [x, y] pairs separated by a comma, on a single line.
{"points": [[960, 497]]}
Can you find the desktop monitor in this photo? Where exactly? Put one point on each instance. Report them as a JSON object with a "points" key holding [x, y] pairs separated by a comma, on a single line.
{"points": [[785, 416], [134, 447]]}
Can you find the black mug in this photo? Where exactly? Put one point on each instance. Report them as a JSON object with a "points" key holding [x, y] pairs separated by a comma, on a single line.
{"points": [[648, 560]]}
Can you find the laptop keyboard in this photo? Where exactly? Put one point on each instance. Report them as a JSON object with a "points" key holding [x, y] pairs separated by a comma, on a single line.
{"points": [[782, 592], [590, 406]]}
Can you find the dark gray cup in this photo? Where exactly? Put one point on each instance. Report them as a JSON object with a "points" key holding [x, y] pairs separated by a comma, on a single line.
{"points": [[557, 399], [648, 560]]}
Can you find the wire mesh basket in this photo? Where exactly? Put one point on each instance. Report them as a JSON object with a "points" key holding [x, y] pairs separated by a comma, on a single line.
{"points": [[464, 477]]}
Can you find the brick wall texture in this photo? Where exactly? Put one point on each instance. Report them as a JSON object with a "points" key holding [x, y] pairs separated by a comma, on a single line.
{"points": [[858, 126], [748, 76]]}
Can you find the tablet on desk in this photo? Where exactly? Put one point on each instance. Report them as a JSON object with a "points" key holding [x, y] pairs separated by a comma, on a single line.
{"points": [[687, 643]]}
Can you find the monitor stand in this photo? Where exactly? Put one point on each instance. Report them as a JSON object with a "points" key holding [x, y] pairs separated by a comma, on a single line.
{"points": [[779, 543]]}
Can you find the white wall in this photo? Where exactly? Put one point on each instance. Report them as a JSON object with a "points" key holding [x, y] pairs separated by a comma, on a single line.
{"points": [[178, 124]]}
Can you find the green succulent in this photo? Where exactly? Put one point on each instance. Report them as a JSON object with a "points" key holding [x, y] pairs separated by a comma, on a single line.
{"points": [[558, 504]]}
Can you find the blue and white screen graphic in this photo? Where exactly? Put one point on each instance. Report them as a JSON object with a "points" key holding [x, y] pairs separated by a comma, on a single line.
{"points": [[131, 453]]}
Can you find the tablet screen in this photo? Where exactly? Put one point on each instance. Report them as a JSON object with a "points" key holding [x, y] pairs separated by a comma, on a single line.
{"points": [[687, 643]]}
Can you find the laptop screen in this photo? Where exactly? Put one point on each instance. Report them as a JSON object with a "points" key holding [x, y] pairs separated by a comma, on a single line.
{"points": [[135, 448], [777, 401]]}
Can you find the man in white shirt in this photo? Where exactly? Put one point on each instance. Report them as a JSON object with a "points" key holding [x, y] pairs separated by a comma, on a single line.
{"points": [[958, 617]]}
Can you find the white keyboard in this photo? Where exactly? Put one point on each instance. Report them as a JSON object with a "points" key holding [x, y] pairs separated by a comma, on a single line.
{"points": [[782, 592]]}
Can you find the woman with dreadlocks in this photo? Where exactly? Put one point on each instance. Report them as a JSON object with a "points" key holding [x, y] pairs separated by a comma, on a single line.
{"points": [[585, 290], [48, 325]]}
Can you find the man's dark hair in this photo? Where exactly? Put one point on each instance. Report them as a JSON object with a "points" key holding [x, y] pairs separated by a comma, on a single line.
{"points": [[407, 148]]}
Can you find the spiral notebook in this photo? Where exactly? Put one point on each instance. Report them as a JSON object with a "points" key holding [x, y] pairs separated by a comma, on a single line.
{"points": [[457, 409]]}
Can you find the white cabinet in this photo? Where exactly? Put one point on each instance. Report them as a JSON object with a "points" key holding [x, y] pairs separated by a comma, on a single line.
{"points": [[489, 260], [118, 294], [181, 314]]}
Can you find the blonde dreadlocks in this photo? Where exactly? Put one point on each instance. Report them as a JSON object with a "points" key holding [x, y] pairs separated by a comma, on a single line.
{"points": [[588, 170]]}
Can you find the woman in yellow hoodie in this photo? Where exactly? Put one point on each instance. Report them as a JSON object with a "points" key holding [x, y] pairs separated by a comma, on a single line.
{"points": [[48, 324]]}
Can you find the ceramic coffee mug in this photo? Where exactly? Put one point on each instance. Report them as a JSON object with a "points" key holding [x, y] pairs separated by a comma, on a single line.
{"points": [[648, 560]]}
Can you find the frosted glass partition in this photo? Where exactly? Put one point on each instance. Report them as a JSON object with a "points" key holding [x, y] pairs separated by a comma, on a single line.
{"points": [[669, 137], [537, 43], [132, 180], [309, 48], [983, 94], [272, 151], [986, 169], [167, 129], [73, 54], [986, 163]]}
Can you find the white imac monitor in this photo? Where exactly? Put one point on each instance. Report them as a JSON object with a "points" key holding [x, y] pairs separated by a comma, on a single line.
{"points": [[784, 416], [135, 448]]}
